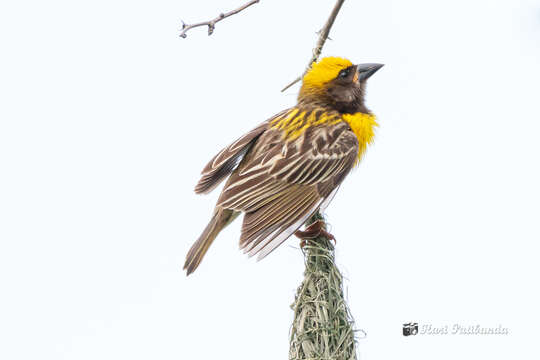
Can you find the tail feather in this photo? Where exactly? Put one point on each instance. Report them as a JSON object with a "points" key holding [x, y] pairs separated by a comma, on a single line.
{"points": [[220, 219]]}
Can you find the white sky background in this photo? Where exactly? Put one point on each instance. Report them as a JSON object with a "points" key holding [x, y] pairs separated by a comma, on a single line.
{"points": [[107, 118]]}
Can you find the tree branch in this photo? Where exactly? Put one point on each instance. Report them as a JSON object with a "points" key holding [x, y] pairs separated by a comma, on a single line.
{"points": [[320, 42], [212, 23]]}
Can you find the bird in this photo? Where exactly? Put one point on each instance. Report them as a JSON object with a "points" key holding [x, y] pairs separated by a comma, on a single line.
{"points": [[290, 166]]}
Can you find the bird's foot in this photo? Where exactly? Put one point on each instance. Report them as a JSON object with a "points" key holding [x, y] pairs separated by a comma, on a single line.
{"points": [[313, 231]]}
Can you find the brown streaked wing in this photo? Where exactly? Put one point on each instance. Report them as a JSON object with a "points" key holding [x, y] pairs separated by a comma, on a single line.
{"points": [[249, 186], [265, 228], [227, 159], [280, 187], [321, 154]]}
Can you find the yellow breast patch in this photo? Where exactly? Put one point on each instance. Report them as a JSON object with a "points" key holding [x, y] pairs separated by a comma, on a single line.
{"points": [[363, 126]]}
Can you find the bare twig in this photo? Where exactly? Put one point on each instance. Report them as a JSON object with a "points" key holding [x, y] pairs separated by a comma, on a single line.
{"points": [[212, 23], [320, 42]]}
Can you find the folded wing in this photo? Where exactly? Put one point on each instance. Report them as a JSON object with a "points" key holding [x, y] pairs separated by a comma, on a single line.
{"points": [[224, 163], [279, 185]]}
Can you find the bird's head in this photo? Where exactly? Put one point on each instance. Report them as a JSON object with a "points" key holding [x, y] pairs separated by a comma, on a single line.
{"points": [[338, 83]]}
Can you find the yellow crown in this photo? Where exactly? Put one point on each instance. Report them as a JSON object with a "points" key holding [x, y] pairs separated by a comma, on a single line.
{"points": [[324, 71]]}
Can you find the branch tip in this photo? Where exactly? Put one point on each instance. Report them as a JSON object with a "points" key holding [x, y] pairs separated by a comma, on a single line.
{"points": [[212, 23]]}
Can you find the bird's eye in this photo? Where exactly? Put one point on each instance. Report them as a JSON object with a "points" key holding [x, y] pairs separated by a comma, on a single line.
{"points": [[343, 73]]}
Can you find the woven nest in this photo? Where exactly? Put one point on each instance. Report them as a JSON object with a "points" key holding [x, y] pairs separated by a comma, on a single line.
{"points": [[323, 325]]}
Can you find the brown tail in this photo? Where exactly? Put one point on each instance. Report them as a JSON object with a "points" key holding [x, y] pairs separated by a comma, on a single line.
{"points": [[221, 218]]}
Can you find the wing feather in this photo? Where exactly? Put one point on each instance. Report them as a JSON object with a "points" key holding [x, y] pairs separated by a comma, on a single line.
{"points": [[224, 163], [279, 184], [287, 215], [335, 147], [256, 221]]}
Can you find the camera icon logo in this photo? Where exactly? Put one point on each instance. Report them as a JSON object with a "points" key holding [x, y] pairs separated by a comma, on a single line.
{"points": [[410, 329]]}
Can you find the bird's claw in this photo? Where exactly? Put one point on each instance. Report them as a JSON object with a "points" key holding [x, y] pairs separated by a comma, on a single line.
{"points": [[313, 231]]}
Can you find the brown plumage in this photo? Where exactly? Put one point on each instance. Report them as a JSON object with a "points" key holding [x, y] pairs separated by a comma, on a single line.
{"points": [[291, 165]]}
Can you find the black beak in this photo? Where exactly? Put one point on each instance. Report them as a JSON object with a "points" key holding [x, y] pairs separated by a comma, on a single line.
{"points": [[366, 70]]}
